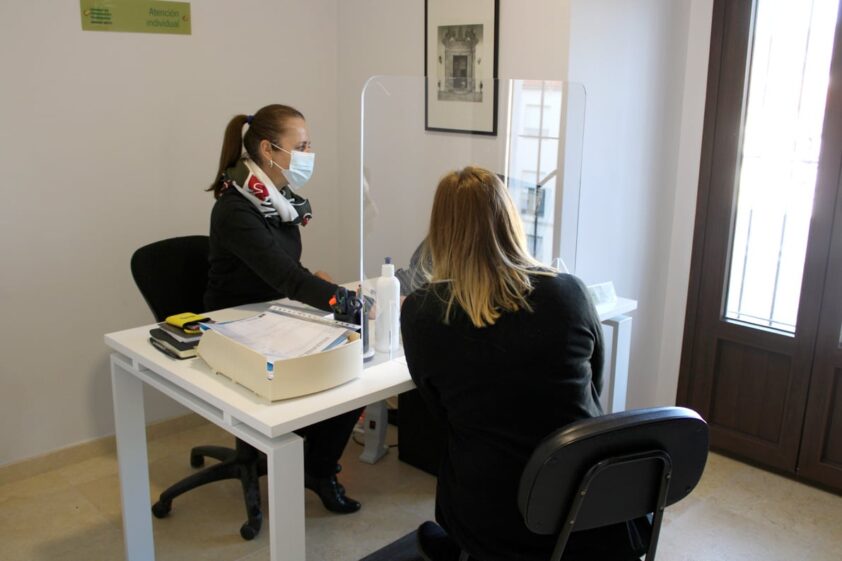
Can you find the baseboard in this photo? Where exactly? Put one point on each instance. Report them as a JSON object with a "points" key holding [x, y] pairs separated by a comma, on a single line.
{"points": [[37, 465]]}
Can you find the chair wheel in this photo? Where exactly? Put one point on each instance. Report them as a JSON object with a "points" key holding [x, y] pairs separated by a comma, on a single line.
{"points": [[248, 532], [161, 509], [197, 460]]}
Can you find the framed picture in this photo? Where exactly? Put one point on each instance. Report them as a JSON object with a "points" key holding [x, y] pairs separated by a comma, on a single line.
{"points": [[460, 64]]}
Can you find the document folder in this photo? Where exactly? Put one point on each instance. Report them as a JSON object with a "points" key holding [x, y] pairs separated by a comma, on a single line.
{"points": [[283, 378]]}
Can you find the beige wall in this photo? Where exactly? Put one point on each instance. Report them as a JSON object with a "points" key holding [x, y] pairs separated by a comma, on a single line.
{"points": [[644, 65], [683, 211], [106, 142], [533, 43]]}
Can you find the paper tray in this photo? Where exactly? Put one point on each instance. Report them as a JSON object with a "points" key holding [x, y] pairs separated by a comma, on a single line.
{"points": [[290, 377]]}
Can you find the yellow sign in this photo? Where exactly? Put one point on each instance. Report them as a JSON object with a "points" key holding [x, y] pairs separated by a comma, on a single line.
{"points": [[138, 16]]}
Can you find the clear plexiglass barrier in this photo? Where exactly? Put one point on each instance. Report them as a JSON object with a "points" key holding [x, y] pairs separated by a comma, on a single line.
{"points": [[415, 130]]}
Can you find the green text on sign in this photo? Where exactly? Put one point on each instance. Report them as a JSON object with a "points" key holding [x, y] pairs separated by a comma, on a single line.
{"points": [[137, 16]]}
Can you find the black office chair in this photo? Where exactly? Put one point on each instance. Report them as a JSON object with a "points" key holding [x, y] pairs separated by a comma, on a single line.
{"points": [[611, 469], [597, 472], [172, 275]]}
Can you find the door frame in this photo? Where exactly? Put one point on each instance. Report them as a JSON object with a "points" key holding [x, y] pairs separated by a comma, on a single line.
{"points": [[731, 36], [826, 255]]}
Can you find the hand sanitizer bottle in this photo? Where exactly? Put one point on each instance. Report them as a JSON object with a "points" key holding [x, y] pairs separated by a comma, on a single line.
{"points": [[387, 325]]}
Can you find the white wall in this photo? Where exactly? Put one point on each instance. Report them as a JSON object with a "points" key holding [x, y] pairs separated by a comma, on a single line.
{"points": [[684, 208], [644, 65], [106, 143], [108, 139], [369, 45], [533, 44]]}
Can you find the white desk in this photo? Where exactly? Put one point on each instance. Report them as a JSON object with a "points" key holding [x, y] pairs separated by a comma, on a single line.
{"points": [[267, 426], [616, 373]]}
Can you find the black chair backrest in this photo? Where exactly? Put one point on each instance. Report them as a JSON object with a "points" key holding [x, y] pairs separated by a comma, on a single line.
{"points": [[172, 275], [622, 456]]}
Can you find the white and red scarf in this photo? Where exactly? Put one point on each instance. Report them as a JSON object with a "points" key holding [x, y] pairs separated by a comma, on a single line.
{"points": [[256, 186]]}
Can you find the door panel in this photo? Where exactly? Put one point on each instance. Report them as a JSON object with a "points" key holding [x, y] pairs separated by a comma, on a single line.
{"points": [[756, 337], [821, 452], [831, 449], [750, 391], [750, 382]]}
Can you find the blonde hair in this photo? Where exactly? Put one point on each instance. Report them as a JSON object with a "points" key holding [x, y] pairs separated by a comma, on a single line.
{"points": [[477, 243]]}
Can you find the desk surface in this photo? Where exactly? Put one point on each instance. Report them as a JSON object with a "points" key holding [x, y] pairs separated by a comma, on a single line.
{"points": [[620, 307], [381, 378], [237, 405]]}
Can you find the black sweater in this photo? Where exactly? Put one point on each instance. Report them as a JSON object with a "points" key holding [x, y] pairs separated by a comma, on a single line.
{"points": [[255, 259], [500, 390]]}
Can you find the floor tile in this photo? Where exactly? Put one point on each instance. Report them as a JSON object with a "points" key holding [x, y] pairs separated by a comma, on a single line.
{"points": [[737, 513], [708, 532], [55, 525]]}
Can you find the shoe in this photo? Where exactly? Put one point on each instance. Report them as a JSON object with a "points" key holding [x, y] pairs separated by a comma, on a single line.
{"points": [[339, 486], [331, 493], [435, 545]]}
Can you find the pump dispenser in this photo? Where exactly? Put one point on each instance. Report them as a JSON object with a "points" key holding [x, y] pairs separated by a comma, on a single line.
{"points": [[387, 324]]}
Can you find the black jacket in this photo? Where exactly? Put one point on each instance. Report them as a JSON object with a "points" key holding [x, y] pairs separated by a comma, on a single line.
{"points": [[255, 259], [500, 390]]}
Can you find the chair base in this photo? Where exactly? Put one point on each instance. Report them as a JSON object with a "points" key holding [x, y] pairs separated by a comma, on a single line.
{"points": [[244, 462]]}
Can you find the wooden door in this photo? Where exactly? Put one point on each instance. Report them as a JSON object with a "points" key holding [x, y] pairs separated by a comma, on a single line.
{"points": [[821, 449], [749, 381]]}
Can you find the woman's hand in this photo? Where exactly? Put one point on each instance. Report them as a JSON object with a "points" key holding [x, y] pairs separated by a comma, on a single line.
{"points": [[324, 276]]}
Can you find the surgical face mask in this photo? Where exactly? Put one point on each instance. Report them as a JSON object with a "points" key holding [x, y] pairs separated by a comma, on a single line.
{"points": [[300, 167]]}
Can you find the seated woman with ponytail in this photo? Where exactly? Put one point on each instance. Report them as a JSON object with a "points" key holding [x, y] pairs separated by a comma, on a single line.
{"points": [[255, 252]]}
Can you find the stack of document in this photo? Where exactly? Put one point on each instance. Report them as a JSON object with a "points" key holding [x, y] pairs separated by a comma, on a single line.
{"points": [[174, 341], [281, 336]]}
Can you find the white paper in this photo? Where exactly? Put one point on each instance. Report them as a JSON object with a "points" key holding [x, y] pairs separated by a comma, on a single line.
{"points": [[280, 337]]}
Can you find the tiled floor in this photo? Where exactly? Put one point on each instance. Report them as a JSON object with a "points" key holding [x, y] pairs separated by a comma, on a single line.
{"points": [[73, 513]]}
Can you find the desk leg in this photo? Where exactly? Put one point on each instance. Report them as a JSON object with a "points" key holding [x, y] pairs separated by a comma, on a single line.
{"points": [[286, 498], [376, 424], [129, 421], [619, 362]]}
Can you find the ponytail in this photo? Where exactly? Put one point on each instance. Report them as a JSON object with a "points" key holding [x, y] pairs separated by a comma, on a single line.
{"points": [[267, 124], [232, 149]]}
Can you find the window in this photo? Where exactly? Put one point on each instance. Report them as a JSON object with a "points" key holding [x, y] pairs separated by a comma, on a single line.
{"points": [[536, 108], [788, 79]]}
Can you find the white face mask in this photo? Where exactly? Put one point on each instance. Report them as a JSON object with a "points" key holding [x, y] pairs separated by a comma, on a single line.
{"points": [[300, 167]]}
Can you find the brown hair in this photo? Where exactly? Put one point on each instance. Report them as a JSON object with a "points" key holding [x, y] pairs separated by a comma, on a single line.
{"points": [[477, 244], [269, 123]]}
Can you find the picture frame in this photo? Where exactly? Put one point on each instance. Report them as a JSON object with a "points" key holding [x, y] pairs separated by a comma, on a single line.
{"points": [[460, 65]]}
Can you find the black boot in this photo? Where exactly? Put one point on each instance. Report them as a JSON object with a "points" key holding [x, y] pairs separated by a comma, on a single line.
{"points": [[338, 484], [328, 490]]}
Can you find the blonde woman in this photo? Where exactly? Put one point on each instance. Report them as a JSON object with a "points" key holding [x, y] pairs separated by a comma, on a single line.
{"points": [[504, 351]]}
